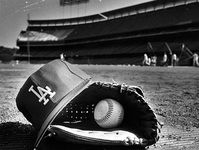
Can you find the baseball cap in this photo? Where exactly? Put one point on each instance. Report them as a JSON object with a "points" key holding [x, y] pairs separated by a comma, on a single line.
{"points": [[47, 91]]}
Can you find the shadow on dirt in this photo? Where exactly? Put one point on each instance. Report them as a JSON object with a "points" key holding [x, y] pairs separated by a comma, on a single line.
{"points": [[18, 136], [15, 135], [52, 144]]}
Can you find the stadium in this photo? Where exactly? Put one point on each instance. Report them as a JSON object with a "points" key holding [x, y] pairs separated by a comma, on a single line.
{"points": [[108, 45], [120, 36]]}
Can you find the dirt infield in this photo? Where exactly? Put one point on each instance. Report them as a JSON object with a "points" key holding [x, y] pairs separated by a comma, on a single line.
{"points": [[172, 92]]}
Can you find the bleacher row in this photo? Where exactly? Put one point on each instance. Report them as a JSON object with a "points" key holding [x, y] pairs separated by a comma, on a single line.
{"points": [[48, 35], [113, 14], [127, 25], [140, 22]]}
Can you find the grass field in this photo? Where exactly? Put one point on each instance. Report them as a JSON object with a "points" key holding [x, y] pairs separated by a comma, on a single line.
{"points": [[172, 92]]}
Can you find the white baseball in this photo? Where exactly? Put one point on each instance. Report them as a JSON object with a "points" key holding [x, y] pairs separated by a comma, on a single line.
{"points": [[108, 113]]}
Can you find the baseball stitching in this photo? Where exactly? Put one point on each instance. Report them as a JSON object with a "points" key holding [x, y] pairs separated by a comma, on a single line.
{"points": [[110, 110]]}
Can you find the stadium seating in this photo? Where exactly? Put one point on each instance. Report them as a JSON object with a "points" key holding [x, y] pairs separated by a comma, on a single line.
{"points": [[126, 36]]}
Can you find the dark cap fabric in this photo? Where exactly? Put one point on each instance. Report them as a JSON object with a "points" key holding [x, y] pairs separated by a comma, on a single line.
{"points": [[47, 91]]}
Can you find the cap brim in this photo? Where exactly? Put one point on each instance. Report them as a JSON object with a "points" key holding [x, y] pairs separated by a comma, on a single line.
{"points": [[70, 96]]}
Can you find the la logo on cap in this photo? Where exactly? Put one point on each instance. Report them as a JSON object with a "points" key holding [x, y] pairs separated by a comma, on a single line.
{"points": [[42, 93]]}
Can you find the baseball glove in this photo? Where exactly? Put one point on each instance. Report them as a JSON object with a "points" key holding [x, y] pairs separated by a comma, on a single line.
{"points": [[76, 123]]}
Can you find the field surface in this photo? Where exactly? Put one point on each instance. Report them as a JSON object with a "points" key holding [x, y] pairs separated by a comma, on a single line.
{"points": [[172, 92]]}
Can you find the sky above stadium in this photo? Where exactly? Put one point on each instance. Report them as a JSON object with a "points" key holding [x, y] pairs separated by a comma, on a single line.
{"points": [[14, 13]]}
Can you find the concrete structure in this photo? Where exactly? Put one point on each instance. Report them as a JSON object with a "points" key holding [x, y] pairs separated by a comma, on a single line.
{"points": [[120, 36]]}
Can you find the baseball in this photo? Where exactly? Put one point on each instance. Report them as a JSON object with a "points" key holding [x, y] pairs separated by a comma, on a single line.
{"points": [[108, 113]]}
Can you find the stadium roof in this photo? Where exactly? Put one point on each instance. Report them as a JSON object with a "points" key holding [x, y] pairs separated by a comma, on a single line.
{"points": [[126, 11], [173, 20]]}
